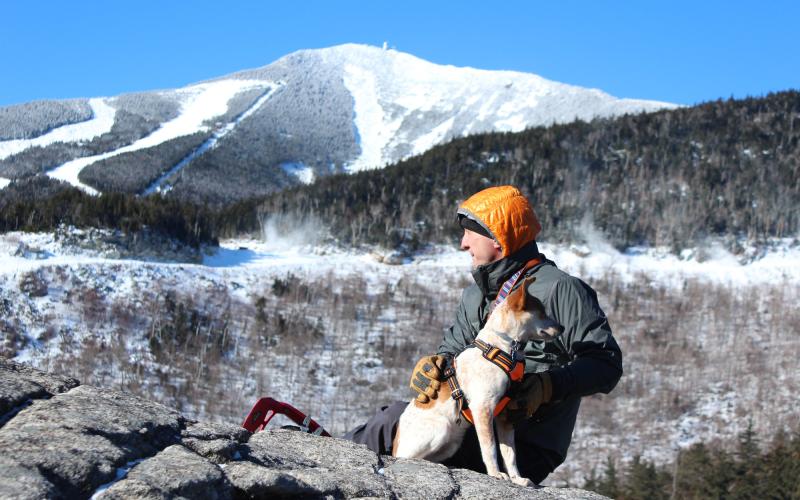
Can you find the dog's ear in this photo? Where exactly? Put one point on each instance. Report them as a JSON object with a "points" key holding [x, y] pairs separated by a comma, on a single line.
{"points": [[517, 298], [532, 304]]}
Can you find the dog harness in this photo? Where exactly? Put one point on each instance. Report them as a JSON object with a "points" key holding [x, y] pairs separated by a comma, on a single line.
{"points": [[513, 364]]}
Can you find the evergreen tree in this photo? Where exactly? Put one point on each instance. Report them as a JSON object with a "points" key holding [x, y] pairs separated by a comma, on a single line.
{"points": [[609, 484], [748, 468], [782, 467], [644, 482], [694, 472], [711, 472]]}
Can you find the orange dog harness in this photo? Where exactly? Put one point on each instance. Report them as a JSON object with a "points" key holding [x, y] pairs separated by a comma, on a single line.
{"points": [[512, 364]]}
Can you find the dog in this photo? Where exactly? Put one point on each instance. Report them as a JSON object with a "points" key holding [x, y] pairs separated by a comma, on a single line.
{"points": [[434, 431]]}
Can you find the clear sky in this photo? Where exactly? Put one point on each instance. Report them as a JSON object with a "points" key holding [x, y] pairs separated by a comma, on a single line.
{"points": [[677, 51]]}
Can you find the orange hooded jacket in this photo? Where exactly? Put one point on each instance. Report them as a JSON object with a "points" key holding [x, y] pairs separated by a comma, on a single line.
{"points": [[506, 214]]}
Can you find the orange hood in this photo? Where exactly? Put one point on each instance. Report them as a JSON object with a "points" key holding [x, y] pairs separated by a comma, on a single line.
{"points": [[506, 214]]}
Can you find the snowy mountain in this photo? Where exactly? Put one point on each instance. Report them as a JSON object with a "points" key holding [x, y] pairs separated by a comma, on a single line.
{"points": [[340, 109]]}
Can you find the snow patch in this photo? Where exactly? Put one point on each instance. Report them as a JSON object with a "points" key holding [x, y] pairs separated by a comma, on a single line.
{"points": [[4, 182], [99, 124], [304, 173], [714, 265], [121, 473]]}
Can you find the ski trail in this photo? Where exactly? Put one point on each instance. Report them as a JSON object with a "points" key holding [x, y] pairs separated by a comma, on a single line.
{"points": [[159, 187], [101, 122], [204, 102]]}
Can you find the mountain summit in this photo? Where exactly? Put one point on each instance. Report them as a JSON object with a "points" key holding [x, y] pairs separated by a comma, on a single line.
{"points": [[311, 113], [404, 105]]}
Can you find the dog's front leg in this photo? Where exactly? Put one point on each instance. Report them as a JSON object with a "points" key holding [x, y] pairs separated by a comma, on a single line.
{"points": [[483, 418], [505, 434]]}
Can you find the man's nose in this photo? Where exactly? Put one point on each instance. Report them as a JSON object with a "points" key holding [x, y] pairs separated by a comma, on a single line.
{"points": [[464, 245]]}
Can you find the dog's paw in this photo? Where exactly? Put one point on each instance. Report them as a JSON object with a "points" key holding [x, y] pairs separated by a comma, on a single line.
{"points": [[522, 481], [501, 475]]}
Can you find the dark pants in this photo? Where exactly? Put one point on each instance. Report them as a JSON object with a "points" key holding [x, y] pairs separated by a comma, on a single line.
{"points": [[377, 433]]}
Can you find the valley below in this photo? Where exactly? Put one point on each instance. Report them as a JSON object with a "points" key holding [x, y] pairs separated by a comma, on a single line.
{"points": [[709, 340]]}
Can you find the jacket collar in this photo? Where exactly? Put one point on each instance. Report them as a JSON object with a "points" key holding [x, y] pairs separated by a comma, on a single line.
{"points": [[490, 277]]}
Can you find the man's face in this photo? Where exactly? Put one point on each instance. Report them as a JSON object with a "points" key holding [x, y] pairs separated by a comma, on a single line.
{"points": [[482, 249]]}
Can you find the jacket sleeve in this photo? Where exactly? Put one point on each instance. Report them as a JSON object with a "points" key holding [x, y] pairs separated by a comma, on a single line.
{"points": [[596, 359], [461, 333]]}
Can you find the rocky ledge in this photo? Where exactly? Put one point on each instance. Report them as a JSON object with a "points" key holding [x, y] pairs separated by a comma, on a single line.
{"points": [[60, 439]]}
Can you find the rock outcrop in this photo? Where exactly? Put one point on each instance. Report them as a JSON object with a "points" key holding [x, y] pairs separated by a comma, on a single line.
{"points": [[60, 439]]}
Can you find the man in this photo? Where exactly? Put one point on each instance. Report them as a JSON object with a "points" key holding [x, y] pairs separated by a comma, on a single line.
{"points": [[500, 230]]}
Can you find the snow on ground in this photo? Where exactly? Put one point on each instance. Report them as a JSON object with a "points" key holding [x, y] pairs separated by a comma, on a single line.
{"points": [[781, 264], [291, 245], [716, 265], [98, 125], [4, 182], [244, 256], [717, 404], [200, 103]]}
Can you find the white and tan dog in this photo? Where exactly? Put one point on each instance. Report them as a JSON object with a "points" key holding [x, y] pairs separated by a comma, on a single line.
{"points": [[434, 430]]}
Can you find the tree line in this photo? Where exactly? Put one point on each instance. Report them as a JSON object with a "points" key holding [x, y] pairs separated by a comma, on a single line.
{"points": [[704, 471], [42, 204], [723, 169], [675, 177]]}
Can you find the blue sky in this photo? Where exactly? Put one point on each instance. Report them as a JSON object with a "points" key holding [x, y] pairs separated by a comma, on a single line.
{"points": [[677, 51]]}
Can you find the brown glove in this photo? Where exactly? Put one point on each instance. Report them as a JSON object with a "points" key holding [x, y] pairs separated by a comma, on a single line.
{"points": [[428, 376], [535, 390]]}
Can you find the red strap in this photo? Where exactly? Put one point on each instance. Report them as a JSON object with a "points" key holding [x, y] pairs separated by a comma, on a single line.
{"points": [[266, 408]]}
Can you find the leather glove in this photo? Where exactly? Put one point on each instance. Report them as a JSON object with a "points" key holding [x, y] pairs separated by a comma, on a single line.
{"points": [[535, 390], [428, 376]]}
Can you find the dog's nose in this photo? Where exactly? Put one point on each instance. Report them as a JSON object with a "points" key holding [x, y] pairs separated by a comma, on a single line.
{"points": [[548, 328]]}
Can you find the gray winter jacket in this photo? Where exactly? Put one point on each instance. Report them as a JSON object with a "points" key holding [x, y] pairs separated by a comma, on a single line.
{"points": [[584, 360]]}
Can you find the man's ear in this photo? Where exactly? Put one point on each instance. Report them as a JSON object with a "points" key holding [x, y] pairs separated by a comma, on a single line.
{"points": [[498, 250]]}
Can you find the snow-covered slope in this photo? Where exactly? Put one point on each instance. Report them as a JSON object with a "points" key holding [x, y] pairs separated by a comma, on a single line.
{"points": [[704, 335], [344, 108], [99, 124], [404, 105]]}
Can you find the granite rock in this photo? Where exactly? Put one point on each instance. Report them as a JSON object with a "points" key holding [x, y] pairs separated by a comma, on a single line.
{"points": [[64, 440]]}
